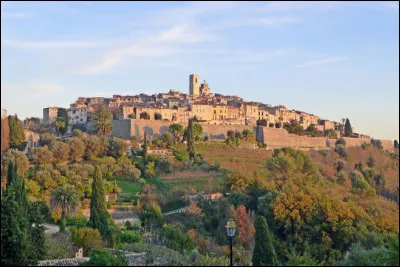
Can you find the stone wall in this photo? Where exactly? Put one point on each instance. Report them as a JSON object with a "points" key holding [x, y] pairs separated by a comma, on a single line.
{"points": [[273, 137]]}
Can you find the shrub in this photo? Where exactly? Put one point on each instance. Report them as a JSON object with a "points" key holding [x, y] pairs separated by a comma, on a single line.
{"points": [[86, 238], [145, 116], [271, 125], [181, 154], [339, 165], [278, 125], [129, 237], [157, 116], [341, 150], [79, 221], [340, 141]]}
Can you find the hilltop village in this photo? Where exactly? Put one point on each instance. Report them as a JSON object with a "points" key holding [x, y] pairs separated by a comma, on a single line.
{"points": [[201, 103]]}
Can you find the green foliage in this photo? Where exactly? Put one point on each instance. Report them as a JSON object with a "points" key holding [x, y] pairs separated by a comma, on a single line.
{"points": [[86, 238], [294, 165], [76, 148], [249, 136], [79, 221], [16, 134], [60, 125], [117, 147], [197, 131], [60, 152], [177, 130], [22, 232], [359, 184], [358, 256], [150, 170], [79, 126], [342, 177], [102, 120], [98, 210], [341, 150], [62, 113], [347, 128], [168, 139], [129, 236], [331, 133], [306, 259], [174, 237], [278, 125], [58, 246], [340, 141], [339, 165], [65, 198], [376, 143], [239, 198], [396, 144], [264, 252], [181, 154], [271, 125], [103, 258], [46, 139]]}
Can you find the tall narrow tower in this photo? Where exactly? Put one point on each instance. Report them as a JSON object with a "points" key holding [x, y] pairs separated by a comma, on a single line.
{"points": [[194, 84]]}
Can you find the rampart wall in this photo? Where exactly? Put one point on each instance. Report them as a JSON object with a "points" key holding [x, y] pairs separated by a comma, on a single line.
{"points": [[273, 137]]}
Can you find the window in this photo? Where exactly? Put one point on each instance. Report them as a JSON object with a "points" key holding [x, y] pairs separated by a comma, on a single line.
{"points": [[76, 117]]}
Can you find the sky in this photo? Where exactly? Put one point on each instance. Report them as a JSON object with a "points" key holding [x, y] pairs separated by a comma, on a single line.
{"points": [[332, 59]]}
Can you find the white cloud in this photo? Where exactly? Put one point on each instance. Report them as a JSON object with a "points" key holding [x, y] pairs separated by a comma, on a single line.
{"points": [[152, 46], [323, 61], [33, 89]]}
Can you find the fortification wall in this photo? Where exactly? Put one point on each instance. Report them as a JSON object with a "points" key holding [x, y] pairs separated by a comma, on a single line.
{"points": [[273, 137], [220, 132]]}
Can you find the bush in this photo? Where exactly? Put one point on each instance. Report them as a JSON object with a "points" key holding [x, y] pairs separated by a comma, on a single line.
{"points": [[181, 154], [157, 116], [129, 237], [145, 116], [340, 141], [104, 258], [79, 221], [86, 238], [206, 138], [339, 165], [271, 125], [278, 125], [341, 150]]}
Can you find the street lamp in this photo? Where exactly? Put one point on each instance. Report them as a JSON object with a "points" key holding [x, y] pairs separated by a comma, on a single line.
{"points": [[231, 230]]}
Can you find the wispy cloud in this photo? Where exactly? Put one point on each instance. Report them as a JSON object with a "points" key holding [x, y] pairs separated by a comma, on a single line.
{"points": [[53, 44], [323, 61], [34, 89], [158, 45]]}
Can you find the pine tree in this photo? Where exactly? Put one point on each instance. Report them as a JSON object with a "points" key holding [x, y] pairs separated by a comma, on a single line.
{"points": [[347, 128], [264, 252]]}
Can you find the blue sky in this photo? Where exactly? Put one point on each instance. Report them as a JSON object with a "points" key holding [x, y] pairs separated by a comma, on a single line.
{"points": [[332, 59]]}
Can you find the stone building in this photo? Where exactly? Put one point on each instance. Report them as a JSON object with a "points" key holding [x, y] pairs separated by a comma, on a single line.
{"points": [[204, 89], [50, 114], [77, 113], [194, 85]]}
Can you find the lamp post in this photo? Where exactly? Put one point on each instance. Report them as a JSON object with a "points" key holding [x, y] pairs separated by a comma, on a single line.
{"points": [[231, 230]]}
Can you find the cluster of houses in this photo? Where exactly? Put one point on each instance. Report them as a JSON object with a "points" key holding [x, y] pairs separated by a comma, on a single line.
{"points": [[178, 107]]}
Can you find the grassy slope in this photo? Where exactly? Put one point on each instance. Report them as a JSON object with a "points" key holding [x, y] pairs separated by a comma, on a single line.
{"points": [[247, 161]]}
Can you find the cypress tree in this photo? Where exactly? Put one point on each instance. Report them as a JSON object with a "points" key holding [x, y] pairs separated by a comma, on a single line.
{"points": [[98, 208], [264, 252], [145, 148], [190, 140], [21, 241], [347, 128]]}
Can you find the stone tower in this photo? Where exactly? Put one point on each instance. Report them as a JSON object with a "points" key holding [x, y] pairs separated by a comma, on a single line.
{"points": [[194, 84]]}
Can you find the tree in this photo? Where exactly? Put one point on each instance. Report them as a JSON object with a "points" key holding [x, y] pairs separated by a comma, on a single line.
{"points": [[98, 209], [271, 125], [278, 125], [145, 148], [65, 198], [103, 120], [190, 140], [46, 139], [60, 152], [22, 235], [63, 113], [144, 115], [347, 128], [341, 150], [371, 161], [86, 238], [16, 132], [60, 125], [264, 251], [5, 134], [117, 147], [150, 170], [396, 144], [177, 130], [157, 116], [42, 155], [76, 148], [197, 131]]}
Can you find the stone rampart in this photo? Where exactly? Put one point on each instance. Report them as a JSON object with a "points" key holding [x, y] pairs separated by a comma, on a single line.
{"points": [[273, 137]]}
